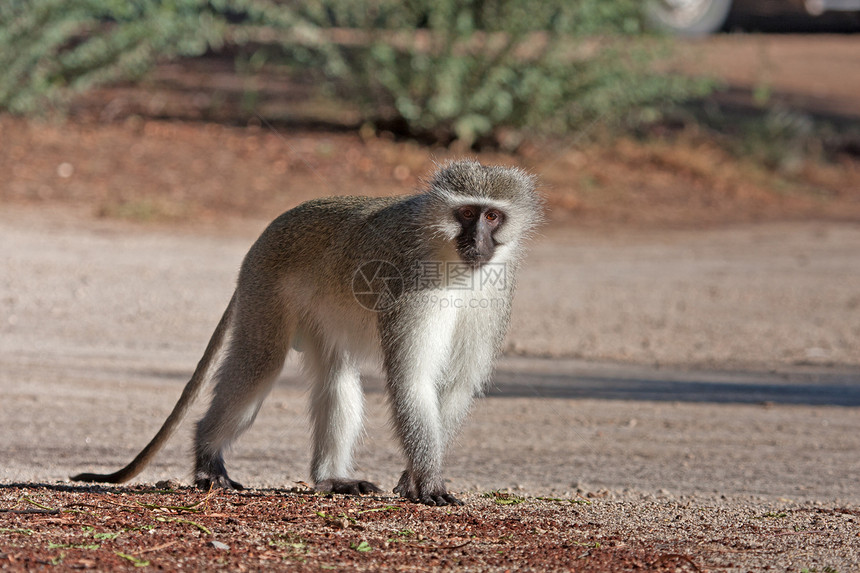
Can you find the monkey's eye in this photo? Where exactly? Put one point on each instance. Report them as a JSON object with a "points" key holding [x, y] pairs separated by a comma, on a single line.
{"points": [[494, 218], [467, 212]]}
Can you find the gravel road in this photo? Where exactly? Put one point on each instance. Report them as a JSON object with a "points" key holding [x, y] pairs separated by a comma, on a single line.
{"points": [[700, 388], [722, 361]]}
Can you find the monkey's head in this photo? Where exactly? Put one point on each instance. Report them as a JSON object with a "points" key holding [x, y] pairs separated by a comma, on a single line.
{"points": [[484, 211]]}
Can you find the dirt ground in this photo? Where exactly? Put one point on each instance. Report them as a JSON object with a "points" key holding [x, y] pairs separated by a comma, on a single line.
{"points": [[679, 390], [621, 463]]}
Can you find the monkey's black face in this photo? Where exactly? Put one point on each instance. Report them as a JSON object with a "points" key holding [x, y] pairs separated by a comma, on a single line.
{"points": [[478, 224]]}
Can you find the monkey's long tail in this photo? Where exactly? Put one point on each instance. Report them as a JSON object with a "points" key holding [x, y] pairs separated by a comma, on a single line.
{"points": [[189, 395]]}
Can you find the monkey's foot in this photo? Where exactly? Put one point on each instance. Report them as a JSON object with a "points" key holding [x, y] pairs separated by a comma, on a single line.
{"points": [[212, 474], [347, 486], [216, 482], [423, 493]]}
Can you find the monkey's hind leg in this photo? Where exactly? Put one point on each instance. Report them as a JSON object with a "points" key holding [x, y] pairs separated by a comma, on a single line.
{"points": [[243, 381], [337, 405]]}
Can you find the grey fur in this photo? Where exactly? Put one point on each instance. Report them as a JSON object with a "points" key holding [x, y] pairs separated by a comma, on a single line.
{"points": [[438, 333]]}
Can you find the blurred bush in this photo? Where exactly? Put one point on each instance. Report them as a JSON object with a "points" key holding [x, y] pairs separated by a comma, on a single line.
{"points": [[50, 49], [446, 70]]}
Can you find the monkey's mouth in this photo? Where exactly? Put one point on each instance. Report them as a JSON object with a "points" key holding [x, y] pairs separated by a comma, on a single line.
{"points": [[475, 259]]}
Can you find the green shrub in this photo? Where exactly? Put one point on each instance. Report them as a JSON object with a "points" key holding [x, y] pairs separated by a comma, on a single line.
{"points": [[52, 48], [443, 69], [455, 69]]}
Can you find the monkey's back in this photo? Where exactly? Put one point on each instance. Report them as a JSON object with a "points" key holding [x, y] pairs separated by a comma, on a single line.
{"points": [[332, 231], [313, 252]]}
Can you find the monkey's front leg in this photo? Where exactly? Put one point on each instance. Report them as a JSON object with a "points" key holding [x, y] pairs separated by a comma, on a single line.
{"points": [[453, 401], [418, 423]]}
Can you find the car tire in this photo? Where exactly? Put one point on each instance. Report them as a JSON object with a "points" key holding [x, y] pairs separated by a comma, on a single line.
{"points": [[688, 17]]}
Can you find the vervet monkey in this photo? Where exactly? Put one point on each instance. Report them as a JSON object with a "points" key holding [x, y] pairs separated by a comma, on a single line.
{"points": [[425, 280]]}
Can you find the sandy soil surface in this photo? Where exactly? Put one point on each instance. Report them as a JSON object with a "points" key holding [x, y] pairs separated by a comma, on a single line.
{"points": [[102, 322], [113, 319]]}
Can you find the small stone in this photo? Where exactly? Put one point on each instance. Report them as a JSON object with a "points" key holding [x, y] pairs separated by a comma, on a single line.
{"points": [[65, 170], [220, 546], [168, 484], [402, 173]]}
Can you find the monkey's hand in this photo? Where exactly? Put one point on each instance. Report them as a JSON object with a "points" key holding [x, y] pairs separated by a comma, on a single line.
{"points": [[424, 493], [347, 486]]}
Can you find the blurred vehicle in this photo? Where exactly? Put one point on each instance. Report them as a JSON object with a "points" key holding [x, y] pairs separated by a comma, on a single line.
{"points": [[700, 17]]}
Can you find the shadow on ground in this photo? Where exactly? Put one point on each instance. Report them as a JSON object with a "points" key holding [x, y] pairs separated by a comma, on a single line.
{"points": [[803, 388]]}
